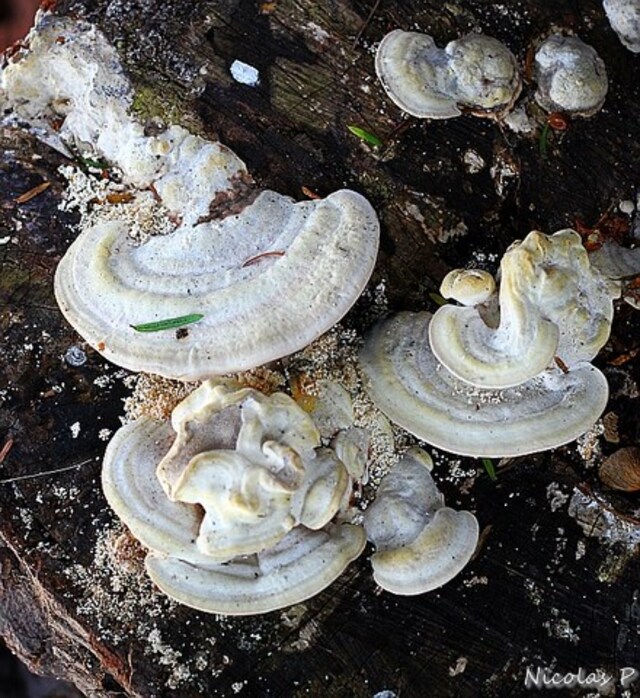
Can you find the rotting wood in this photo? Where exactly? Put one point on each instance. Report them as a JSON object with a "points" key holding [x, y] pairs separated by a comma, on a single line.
{"points": [[74, 599]]}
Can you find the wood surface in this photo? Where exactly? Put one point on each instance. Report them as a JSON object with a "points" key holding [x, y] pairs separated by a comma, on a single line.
{"points": [[73, 599]]}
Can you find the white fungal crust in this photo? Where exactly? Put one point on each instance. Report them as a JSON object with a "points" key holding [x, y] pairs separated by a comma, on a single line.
{"points": [[571, 77], [475, 71], [420, 543], [251, 504], [624, 17], [268, 275], [552, 303]]}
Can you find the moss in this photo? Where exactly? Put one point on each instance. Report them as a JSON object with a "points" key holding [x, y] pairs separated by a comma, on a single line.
{"points": [[165, 103]]}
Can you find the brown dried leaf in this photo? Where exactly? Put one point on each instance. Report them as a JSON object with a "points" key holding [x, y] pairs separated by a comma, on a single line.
{"points": [[621, 470]]}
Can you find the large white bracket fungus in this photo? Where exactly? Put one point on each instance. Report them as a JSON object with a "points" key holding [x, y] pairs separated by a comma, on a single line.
{"points": [[408, 384], [252, 314], [420, 543], [238, 511], [552, 302], [269, 275], [571, 77], [624, 17], [476, 72], [475, 384]]}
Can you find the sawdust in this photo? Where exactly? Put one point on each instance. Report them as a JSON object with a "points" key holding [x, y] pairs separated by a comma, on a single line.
{"points": [[101, 199]]}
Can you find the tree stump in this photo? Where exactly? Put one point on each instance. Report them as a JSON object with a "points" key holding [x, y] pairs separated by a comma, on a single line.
{"points": [[542, 591]]}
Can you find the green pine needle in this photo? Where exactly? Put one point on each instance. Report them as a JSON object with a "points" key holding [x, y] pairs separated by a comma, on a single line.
{"points": [[168, 324], [543, 143]]}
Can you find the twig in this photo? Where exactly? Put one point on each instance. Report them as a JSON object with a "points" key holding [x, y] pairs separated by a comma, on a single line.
{"points": [[46, 472], [262, 255], [366, 24], [5, 449], [28, 195]]}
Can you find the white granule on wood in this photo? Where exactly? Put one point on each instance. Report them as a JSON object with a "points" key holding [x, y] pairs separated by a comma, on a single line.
{"points": [[334, 357], [153, 396], [99, 200], [165, 654], [557, 498], [589, 446], [117, 593]]}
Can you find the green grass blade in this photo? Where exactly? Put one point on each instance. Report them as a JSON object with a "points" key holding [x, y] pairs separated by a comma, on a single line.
{"points": [[365, 136], [490, 468]]}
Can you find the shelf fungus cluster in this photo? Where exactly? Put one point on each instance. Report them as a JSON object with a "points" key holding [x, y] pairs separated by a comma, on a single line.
{"points": [[243, 511], [235, 500], [236, 253], [505, 373], [479, 74], [476, 73]]}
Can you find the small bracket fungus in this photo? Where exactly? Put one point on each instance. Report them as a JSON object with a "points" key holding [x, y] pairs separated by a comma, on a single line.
{"points": [[420, 543], [235, 253], [552, 303], [571, 77], [238, 512], [475, 72], [624, 17], [468, 286], [478, 383]]}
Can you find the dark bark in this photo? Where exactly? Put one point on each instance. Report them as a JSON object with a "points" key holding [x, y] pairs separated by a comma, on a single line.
{"points": [[74, 601]]}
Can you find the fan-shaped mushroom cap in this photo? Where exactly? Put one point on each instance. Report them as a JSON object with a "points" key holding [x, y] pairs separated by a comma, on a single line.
{"points": [[241, 494], [624, 17], [137, 497], [552, 303], [408, 384], [324, 251], [475, 71], [420, 543], [571, 77], [299, 567], [235, 256]]}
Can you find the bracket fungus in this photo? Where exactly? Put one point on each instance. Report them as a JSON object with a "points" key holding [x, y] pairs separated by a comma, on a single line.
{"points": [[624, 17], [235, 254], [420, 543], [236, 502], [571, 77], [475, 72], [477, 382], [552, 302]]}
